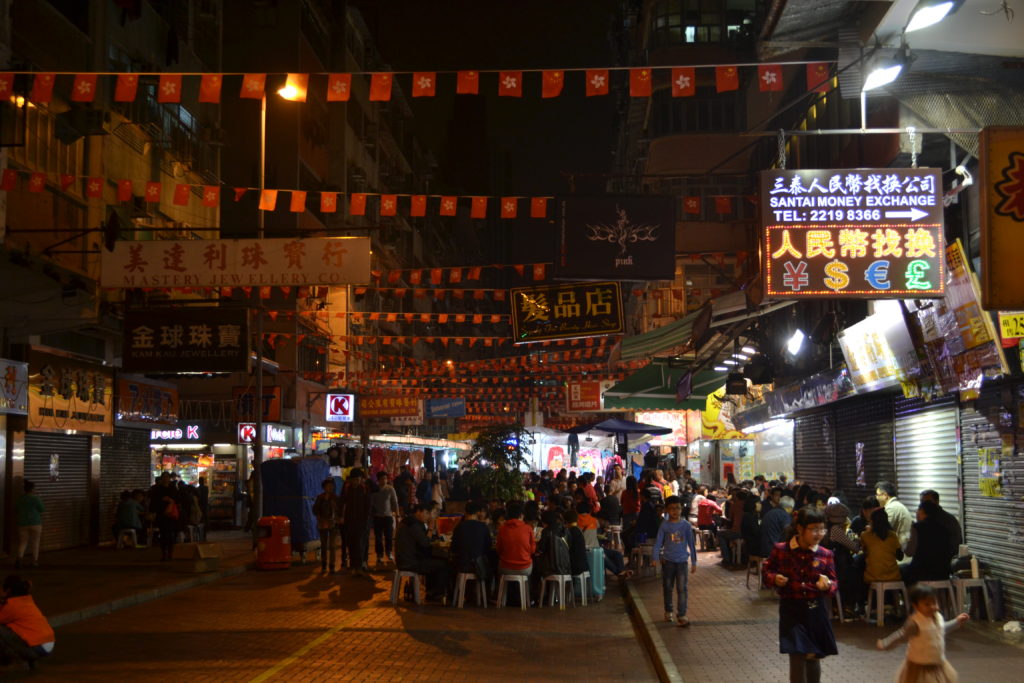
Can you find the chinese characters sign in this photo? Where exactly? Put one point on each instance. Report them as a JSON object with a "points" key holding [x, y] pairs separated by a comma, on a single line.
{"points": [[586, 396], [341, 407], [146, 402], [238, 263], [13, 387], [245, 403], [863, 233], [186, 340], [566, 311], [390, 406], [65, 393], [1001, 183]]}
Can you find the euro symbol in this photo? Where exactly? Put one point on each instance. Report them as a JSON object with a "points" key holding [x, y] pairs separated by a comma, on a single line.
{"points": [[877, 274]]}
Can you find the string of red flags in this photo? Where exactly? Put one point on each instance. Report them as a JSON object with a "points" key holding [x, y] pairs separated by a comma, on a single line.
{"points": [[337, 87]]}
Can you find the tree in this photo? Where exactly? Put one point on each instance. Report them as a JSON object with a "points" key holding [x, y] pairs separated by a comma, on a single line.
{"points": [[494, 463]]}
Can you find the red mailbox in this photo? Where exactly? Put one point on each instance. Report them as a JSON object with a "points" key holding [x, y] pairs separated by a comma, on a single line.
{"points": [[274, 547]]}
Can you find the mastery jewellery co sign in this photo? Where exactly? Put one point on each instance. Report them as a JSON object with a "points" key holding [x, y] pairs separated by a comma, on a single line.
{"points": [[586, 309], [857, 233]]}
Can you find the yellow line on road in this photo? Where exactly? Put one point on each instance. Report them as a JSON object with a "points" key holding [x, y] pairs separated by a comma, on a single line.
{"points": [[293, 657]]}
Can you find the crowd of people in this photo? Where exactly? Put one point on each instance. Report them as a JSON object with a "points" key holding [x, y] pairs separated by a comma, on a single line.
{"points": [[166, 510]]}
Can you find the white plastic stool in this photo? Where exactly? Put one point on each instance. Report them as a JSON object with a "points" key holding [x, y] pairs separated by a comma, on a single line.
{"points": [[736, 550], [396, 584], [615, 534], [963, 586], [460, 589], [641, 553], [838, 600], [126, 538], [704, 538], [560, 580], [524, 589], [583, 578], [946, 595], [876, 593], [754, 564]]}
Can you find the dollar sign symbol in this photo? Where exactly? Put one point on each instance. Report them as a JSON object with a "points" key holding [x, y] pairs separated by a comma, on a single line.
{"points": [[836, 277]]}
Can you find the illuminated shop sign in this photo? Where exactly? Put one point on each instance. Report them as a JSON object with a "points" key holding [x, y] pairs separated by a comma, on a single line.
{"points": [[860, 233]]}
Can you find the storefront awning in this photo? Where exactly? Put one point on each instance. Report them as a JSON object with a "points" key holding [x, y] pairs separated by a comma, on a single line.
{"points": [[668, 336], [654, 388]]}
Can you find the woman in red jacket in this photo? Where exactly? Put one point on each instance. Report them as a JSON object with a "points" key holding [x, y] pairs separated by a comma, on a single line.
{"points": [[24, 631], [630, 503]]}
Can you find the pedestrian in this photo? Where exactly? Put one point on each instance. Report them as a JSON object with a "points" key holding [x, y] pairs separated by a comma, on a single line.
{"points": [[29, 510], [385, 509], [355, 516], [164, 506], [327, 510], [925, 635], [804, 574], [675, 538], [129, 516], [899, 516], [24, 631]]}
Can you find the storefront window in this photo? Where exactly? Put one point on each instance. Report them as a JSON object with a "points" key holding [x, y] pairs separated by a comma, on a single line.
{"points": [[675, 22]]}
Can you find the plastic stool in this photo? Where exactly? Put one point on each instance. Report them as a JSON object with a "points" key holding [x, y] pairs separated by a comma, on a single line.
{"points": [[963, 586], [705, 539], [130, 536], [615, 534], [396, 584], [460, 589], [736, 550], [754, 564], [838, 600], [876, 593], [560, 580], [583, 578], [641, 553], [946, 595], [524, 589]]}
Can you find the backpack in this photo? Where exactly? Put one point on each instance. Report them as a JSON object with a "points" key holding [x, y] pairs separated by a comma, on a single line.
{"points": [[171, 511], [556, 557]]}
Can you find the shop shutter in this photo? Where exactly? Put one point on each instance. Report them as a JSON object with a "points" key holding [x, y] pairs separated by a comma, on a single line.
{"points": [[814, 449], [867, 420], [66, 520], [993, 526], [125, 463], [927, 451]]}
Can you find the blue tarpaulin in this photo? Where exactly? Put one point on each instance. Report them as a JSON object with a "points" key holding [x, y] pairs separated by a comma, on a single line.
{"points": [[289, 489]]}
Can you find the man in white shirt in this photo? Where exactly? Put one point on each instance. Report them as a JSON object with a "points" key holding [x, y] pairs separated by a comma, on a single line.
{"points": [[900, 518]]}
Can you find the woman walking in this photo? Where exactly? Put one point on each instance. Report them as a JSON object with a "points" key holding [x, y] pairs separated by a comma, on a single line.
{"points": [[29, 510], [804, 574]]}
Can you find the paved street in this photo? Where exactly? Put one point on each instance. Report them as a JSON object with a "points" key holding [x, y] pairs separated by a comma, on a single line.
{"points": [[295, 625], [734, 636]]}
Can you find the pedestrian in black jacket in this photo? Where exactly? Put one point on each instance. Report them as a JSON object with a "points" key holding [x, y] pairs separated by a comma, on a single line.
{"points": [[413, 552]]}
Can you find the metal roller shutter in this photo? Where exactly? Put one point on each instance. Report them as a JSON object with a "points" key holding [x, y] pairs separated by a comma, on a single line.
{"points": [[66, 519], [993, 526], [927, 452], [125, 463], [814, 449], [866, 420]]}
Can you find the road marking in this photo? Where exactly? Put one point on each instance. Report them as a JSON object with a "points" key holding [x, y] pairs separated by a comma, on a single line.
{"points": [[293, 657]]}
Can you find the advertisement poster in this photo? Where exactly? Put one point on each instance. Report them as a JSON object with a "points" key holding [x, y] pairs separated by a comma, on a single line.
{"points": [[676, 420], [990, 478], [879, 351], [13, 387]]}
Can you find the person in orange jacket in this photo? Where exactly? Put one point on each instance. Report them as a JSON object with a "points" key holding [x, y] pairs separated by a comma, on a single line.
{"points": [[24, 631]]}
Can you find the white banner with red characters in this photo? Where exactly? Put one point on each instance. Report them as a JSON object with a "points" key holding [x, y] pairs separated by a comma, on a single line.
{"points": [[238, 263]]}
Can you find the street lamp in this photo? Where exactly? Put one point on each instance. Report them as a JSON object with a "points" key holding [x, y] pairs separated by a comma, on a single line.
{"points": [[930, 12]]}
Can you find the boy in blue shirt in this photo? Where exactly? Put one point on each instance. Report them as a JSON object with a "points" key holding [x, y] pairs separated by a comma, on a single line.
{"points": [[675, 538]]}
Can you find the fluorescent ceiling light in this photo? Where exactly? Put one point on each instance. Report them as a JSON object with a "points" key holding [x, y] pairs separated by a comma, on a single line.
{"points": [[749, 349], [882, 75], [796, 342], [721, 368], [929, 12], [730, 361]]}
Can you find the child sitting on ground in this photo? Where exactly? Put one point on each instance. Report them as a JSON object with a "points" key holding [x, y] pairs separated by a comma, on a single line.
{"points": [[925, 635], [24, 631]]}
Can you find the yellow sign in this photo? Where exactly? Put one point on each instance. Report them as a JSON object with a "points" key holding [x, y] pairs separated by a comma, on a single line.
{"points": [[1011, 325], [1001, 179], [716, 419], [69, 394]]}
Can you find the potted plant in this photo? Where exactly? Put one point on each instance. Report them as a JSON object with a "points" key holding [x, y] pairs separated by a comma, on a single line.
{"points": [[495, 460]]}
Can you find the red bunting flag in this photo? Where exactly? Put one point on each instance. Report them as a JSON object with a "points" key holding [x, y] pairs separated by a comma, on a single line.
{"points": [[84, 88], [418, 207], [181, 194], [597, 82], [538, 271], [42, 88], [538, 207], [298, 201], [416, 277], [467, 83], [455, 276], [339, 87], [268, 200], [6, 84], [435, 276], [253, 86], [380, 87], [478, 209], [94, 187], [37, 182], [640, 82], [211, 196], [552, 81], [510, 83], [684, 82], [124, 190], [66, 179], [448, 206], [726, 78], [509, 207], [388, 204], [328, 202], [240, 192], [474, 273], [169, 88], [127, 87], [424, 84], [691, 205], [769, 78], [819, 77], [357, 204], [209, 88], [723, 204]]}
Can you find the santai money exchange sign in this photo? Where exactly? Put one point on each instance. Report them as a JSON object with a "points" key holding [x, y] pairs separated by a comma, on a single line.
{"points": [[858, 233]]}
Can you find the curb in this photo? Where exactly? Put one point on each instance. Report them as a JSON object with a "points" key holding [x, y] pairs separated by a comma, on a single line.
{"points": [[101, 609], [651, 639]]}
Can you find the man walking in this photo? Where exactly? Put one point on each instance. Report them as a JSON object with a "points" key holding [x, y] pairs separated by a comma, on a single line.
{"points": [[384, 505]]}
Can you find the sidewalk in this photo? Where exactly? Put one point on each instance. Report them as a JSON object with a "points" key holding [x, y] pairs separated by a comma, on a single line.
{"points": [[72, 585], [734, 636]]}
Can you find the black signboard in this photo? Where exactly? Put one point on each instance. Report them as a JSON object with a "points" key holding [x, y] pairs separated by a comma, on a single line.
{"points": [[186, 340], [859, 233], [617, 237], [567, 311]]}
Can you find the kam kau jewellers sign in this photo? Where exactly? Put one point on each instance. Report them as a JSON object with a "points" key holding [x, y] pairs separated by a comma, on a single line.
{"points": [[209, 339], [861, 233], [238, 263], [568, 311]]}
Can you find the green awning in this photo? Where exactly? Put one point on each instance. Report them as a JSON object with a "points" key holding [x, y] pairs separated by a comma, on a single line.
{"points": [[665, 337], [654, 388]]}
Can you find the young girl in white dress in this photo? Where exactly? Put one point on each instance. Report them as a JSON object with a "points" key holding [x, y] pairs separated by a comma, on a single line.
{"points": [[925, 635]]}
